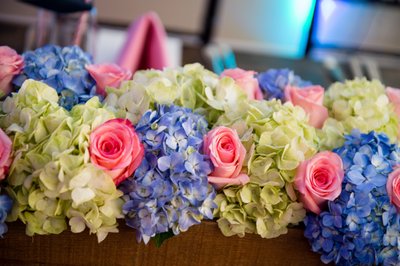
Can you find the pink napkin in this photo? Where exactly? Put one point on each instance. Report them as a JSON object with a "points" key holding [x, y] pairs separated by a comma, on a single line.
{"points": [[145, 45]]}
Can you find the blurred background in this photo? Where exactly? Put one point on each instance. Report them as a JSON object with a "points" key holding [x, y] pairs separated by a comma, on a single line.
{"points": [[321, 40]]}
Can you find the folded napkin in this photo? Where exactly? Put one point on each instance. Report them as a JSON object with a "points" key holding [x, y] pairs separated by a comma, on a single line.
{"points": [[145, 45]]}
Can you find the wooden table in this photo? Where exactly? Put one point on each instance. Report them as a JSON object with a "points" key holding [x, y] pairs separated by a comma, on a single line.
{"points": [[202, 245]]}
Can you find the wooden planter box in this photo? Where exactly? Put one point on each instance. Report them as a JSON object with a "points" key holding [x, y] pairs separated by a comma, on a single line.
{"points": [[202, 245]]}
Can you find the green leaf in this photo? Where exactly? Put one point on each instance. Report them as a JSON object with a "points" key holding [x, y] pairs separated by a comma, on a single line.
{"points": [[160, 238]]}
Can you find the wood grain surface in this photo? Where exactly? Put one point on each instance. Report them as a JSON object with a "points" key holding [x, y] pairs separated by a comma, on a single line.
{"points": [[202, 245]]}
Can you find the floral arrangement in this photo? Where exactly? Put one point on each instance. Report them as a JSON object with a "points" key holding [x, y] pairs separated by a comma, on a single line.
{"points": [[83, 145]]}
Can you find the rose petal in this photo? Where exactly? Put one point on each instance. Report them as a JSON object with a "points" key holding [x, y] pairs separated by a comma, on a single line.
{"points": [[107, 75], [393, 187], [311, 100], [246, 81], [219, 182]]}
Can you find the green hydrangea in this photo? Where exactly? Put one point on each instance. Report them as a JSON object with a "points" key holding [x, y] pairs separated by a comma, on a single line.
{"points": [[190, 86], [360, 104], [129, 101], [51, 177], [281, 139]]}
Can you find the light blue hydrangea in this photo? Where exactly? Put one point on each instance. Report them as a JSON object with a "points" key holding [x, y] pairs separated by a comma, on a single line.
{"points": [[360, 227], [169, 191], [5, 208], [273, 82], [62, 68]]}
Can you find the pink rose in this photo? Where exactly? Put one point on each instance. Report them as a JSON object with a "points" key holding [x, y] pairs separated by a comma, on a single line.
{"points": [[319, 179], [245, 80], [11, 64], [393, 187], [5, 151], [115, 148], [227, 154], [311, 100], [394, 97], [108, 75]]}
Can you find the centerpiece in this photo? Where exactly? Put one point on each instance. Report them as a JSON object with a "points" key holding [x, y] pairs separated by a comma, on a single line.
{"points": [[86, 145]]}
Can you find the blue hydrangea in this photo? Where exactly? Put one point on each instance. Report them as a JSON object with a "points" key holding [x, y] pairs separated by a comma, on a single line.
{"points": [[169, 191], [361, 226], [62, 68], [5, 208], [273, 82]]}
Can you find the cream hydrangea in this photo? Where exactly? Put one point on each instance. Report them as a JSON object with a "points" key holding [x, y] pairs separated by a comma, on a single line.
{"points": [[280, 138], [51, 177], [190, 86], [360, 104]]}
